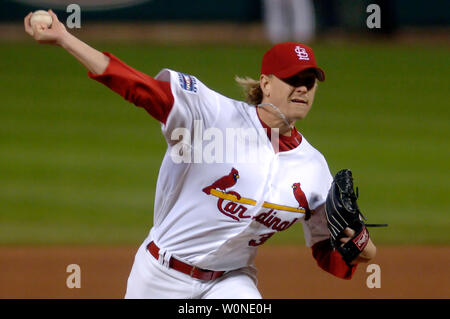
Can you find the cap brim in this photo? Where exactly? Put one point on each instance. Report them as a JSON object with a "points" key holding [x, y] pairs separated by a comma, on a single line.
{"points": [[287, 73]]}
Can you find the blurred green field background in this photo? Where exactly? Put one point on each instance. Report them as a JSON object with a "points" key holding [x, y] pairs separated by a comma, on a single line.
{"points": [[78, 165]]}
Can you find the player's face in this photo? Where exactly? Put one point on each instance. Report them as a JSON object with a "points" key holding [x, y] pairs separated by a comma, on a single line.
{"points": [[293, 96]]}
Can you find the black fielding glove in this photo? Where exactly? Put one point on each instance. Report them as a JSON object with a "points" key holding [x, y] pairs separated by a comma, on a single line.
{"points": [[342, 211]]}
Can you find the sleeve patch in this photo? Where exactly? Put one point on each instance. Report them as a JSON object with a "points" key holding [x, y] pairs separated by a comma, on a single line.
{"points": [[188, 82]]}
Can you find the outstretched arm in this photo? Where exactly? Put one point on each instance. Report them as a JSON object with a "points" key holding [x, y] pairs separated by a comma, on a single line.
{"points": [[95, 61], [134, 86]]}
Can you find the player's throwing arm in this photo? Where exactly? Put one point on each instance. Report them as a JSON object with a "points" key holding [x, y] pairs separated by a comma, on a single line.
{"points": [[56, 34]]}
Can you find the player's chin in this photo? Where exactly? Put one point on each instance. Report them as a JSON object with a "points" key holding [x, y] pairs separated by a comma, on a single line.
{"points": [[299, 114]]}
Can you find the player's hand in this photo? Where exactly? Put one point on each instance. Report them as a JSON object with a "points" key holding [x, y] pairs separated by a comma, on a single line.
{"points": [[349, 233], [369, 251], [43, 34]]}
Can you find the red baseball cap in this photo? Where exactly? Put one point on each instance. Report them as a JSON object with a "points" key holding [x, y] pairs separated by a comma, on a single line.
{"points": [[287, 59]]}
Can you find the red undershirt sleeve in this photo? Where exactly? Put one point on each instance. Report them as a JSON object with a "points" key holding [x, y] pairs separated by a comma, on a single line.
{"points": [[138, 88], [331, 261]]}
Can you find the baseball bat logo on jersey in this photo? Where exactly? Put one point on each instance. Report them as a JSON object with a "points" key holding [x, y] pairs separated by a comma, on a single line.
{"points": [[229, 202], [231, 208]]}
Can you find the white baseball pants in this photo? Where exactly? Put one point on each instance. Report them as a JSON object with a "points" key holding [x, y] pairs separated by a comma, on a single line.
{"points": [[151, 280]]}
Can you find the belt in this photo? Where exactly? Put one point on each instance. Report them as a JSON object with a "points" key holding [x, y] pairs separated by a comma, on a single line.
{"points": [[189, 270]]}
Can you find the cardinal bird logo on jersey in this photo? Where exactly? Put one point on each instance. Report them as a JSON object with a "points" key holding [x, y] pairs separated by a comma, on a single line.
{"points": [[227, 207], [224, 182], [301, 199]]}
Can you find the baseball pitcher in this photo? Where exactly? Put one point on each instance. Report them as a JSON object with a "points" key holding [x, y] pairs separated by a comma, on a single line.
{"points": [[216, 204]]}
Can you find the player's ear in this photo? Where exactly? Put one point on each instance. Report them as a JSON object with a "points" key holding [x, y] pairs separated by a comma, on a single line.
{"points": [[264, 83]]}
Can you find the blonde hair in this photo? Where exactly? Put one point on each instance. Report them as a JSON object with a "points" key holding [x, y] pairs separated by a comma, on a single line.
{"points": [[251, 88]]}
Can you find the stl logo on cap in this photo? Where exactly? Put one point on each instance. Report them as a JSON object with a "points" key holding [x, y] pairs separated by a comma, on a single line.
{"points": [[301, 53], [287, 59]]}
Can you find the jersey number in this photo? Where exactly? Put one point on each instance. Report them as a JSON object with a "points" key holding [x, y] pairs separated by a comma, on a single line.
{"points": [[262, 239]]}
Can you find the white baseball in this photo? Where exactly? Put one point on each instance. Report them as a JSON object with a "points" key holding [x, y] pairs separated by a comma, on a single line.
{"points": [[41, 16]]}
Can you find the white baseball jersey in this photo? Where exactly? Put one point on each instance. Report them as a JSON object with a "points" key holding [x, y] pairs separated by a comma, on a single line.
{"points": [[215, 213]]}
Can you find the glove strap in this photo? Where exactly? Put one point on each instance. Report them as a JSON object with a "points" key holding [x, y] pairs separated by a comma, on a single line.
{"points": [[351, 249]]}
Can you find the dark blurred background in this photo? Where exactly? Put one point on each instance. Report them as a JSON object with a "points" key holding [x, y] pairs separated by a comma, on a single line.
{"points": [[330, 15]]}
